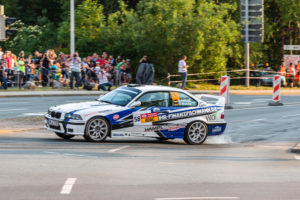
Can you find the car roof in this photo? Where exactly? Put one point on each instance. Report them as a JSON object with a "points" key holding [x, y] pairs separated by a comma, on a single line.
{"points": [[148, 88]]}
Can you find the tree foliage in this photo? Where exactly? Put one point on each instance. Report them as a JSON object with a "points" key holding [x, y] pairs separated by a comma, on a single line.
{"points": [[207, 31]]}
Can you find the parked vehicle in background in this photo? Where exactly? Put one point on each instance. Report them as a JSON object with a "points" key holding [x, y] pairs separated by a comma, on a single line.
{"points": [[263, 78]]}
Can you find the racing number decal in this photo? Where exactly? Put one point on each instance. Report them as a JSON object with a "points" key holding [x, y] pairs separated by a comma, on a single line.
{"points": [[175, 98], [149, 117]]}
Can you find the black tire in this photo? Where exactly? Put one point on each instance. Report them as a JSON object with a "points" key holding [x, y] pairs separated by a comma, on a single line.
{"points": [[97, 129], [64, 136], [196, 133]]}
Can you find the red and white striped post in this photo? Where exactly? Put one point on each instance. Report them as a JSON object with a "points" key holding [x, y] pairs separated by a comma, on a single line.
{"points": [[276, 91], [224, 90]]}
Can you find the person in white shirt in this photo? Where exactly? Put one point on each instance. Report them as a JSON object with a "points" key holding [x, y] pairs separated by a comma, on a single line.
{"points": [[75, 65], [182, 68], [103, 81]]}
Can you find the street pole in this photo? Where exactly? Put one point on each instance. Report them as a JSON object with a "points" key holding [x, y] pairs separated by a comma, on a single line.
{"points": [[247, 46], [72, 29]]}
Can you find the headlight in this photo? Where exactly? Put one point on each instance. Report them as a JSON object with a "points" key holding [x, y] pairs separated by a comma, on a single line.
{"points": [[73, 116]]}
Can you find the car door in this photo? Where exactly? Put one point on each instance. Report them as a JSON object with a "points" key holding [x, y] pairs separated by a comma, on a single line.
{"points": [[153, 104]]}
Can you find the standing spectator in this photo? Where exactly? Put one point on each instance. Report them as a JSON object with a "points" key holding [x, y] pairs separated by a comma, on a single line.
{"points": [[21, 68], [75, 65], [84, 69], [128, 75], [7, 57], [145, 72], [112, 61], [45, 64], [29, 68], [3, 77], [282, 73], [182, 68], [298, 68], [103, 81], [1, 53], [122, 68], [291, 75]]}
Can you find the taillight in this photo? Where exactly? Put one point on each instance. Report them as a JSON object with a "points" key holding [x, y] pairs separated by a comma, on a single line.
{"points": [[222, 116]]}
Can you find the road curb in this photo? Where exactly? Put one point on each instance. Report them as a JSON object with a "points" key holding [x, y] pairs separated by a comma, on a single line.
{"points": [[296, 148]]}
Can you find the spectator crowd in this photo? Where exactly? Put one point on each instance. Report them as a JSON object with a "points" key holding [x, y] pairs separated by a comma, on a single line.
{"points": [[48, 68]]}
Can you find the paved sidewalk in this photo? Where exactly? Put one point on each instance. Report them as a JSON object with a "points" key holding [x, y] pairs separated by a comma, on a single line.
{"points": [[32, 93]]}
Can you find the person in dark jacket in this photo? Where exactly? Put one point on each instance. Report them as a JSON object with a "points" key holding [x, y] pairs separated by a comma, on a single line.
{"points": [[145, 72]]}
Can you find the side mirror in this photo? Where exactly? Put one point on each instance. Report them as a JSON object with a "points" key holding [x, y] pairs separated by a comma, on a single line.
{"points": [[135, 104]]}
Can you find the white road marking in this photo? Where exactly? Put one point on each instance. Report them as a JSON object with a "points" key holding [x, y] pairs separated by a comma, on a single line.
{"points": [[67, 187], [287, 116], [242, 103], [262, 99], [117, 149], [297, 157], [13, 109], [78, 155], [198, 198], [34, 114]]}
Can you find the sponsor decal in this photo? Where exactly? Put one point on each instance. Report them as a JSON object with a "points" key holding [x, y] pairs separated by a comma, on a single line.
{"points": [[216, 129], [185, 114], [154, 128], [159, 128], [175, 128], [116, 116], [211, 117], [149, 117], [186, 102], [90, 114]]}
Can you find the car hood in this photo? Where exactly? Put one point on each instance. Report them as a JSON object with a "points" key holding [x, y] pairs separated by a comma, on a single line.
{"points": [[75, 107]]}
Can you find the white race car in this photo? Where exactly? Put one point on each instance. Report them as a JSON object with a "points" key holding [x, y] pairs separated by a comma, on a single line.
{"points": [[135, 110]]}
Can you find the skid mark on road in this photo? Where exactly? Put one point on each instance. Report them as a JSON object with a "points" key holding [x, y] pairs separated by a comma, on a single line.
{"points": [[67, 187]]}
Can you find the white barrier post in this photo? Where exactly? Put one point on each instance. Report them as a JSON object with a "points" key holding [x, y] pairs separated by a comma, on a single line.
{"points": [[224, 90], [276, 91]]}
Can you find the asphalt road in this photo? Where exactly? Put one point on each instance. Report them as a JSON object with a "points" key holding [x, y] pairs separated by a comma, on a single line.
{"points": [[250, 161]]}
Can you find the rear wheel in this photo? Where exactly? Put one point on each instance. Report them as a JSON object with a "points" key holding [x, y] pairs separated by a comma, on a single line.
{"points": [[97, 129], [64, 136], [196, 133]]}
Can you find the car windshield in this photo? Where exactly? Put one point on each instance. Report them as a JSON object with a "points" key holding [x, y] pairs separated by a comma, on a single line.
{"points": [[121, 96]]}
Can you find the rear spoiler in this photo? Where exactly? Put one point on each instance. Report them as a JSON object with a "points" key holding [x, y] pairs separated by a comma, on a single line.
{"points": [[216, 100]]}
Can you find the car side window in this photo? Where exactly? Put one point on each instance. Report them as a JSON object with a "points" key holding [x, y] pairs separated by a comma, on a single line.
{"points": [[156, 99], [179, 99]]}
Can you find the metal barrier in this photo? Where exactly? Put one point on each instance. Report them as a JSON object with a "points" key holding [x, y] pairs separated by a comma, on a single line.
{"points": [[169, 76]]}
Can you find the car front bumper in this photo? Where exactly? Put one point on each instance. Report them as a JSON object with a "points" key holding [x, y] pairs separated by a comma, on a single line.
{"points": [[64, 126]]}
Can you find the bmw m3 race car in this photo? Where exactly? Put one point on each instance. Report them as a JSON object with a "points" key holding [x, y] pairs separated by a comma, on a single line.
{"points": [[135, 110]]}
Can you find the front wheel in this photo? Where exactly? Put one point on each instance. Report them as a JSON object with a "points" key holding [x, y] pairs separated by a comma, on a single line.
{"points": [[196, 133], [64, 136], [97, 129]]}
